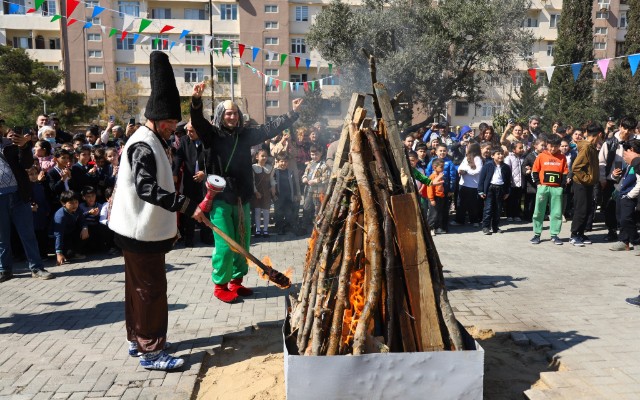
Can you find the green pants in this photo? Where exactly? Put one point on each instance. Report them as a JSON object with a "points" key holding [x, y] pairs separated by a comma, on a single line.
{"points": [[553, 196], [226, 264]]}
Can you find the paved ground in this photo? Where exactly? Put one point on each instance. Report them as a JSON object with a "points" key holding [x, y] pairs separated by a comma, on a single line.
{"points": [[64, 339]]}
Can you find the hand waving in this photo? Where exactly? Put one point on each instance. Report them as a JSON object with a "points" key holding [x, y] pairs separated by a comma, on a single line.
{"points": [[296, 104], [198, 89]]}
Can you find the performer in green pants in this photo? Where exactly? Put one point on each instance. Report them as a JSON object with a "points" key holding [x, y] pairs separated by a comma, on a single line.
{"points": [[228, 142]]}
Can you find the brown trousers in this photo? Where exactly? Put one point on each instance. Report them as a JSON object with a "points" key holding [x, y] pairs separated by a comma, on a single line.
{"points": [[145, 291]]}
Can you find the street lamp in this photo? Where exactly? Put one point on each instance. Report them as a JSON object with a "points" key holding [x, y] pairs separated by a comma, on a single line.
{"points": [[44, 103]]}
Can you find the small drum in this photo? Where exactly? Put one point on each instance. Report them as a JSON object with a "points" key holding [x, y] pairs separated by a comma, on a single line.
{"points": [[217, 183]]}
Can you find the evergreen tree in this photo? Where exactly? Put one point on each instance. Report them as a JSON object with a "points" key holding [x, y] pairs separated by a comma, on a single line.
{"points": [[528, 101], [570, 100]]}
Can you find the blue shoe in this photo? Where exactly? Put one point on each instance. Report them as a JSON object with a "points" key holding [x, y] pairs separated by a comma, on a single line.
{"points": [[556, 240], [535, 239], [133, 348], [160, 361]]}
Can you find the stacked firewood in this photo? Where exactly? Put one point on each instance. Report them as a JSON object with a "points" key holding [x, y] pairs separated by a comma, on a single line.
{"points": [[372, 278]]}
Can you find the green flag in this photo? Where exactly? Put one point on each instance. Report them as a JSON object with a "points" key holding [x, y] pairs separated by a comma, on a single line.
{"points": [[39, 3], [313, 85], [225, 46], [189, 48], [330, 68], [144, 24], [112, 32], [284, 84], [282, 58], [216, 51], [55, 18], [156, 41]]}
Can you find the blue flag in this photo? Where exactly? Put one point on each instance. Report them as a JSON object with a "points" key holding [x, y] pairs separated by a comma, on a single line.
{"points": [[14, 9], [256, 50], [634, 59], [576, 70]]}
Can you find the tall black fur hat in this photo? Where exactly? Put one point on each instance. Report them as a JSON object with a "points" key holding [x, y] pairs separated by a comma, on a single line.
{"points": [[164, 101]]}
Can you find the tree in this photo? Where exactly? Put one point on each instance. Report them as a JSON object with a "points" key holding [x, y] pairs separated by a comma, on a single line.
{"points": [[528, 101], [71, 108], [569, 100], [431, 52], [123, 102], [313, 107]]}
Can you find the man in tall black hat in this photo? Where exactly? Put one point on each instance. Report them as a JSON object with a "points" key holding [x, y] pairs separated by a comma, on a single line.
{"points": [[143, 219]]}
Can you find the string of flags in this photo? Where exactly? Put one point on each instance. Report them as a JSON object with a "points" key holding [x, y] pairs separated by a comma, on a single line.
{"points": [[293, 86], [603, 64], [139, 38]]}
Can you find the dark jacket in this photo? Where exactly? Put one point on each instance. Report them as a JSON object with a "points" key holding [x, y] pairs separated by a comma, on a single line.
{"points": [[231, 150], [19, 159], [186, 156], [486, 173], [529, 159], [80, 178]]}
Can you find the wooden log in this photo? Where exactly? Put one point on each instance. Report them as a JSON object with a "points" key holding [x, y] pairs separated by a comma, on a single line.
{"points": [[342, 153], [417, 271], [348, 259], [372, 229], [316, 335], [374, 79]]}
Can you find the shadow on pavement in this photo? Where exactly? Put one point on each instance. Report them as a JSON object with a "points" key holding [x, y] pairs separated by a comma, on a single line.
{"points": [[481, 282]]}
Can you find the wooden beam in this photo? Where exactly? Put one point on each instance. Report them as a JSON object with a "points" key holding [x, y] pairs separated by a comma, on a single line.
{"points": [[342, 153]]}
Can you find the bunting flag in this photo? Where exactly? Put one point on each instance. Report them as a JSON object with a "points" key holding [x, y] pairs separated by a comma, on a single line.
{"points": [[31, 10], [282, 58], [320, 81], [172, 44], [308, 62], [216, 51], [225, 46], [39, 4], [103, 28], [156, 41], [575, 68], [166, 28], [135, 37], [266, 80], [330, 68], [14, 8], [189, 48], [71, 6], [71, 21], [604, 66], [634, 59], [112, 32], [317, 67], [297, 61], [306, 86], [291, 86], [96, 11], [124, 35], [313, 86], [128, 21], [271, 56], [165, 43], [277, 83], [256, 50], [144, 24], [241, 48], [549, 71], [284, 84], [87, 25], [144, 39], [207, 43], [532, 73]]}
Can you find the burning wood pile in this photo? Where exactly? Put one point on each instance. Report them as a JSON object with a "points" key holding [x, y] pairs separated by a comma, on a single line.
{"points": [[372, 279]]}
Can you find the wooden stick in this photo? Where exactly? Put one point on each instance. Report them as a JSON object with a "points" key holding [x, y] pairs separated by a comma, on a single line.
{"points": [[372, 228], [342, 153]]}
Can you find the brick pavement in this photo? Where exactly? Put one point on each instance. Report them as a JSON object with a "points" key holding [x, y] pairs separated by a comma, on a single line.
{"points": [[64, 339]]}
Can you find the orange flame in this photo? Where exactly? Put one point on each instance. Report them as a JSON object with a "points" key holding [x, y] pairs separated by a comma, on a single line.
{"points": [[265, 276], [356, 302], [312, 243]]}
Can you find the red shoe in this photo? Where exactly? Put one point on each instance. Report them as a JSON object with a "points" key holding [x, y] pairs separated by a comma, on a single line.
{"points": [[235, 286], [224, 294]]}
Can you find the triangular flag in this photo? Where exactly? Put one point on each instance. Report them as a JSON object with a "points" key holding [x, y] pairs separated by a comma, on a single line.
{"points": [[266, 80], [604, 66], [575, 68], [306, 86], [54, 18], [225, 46], [184, 33], [156, 41], [128, 21], [308, 62], [271, 56], [124, 35], [165, 44], [144, 39], [282, 58], [189, 48], [14, 8], [549, 71], [216, 51], [207, 43], [96, 11], [87, 25], [112, 32], [144, 24], [634, 59], [241, 48], [31, 10], [532, 73], [297, 61], [172, 44], [103, 28], [320, 83], [39, 4], [313, 86], [198, 49], [318, 67], [71, 21], [71, 6], [166, 28], [330, 68], [277, 83], [284, 84], [135, 37], [256, 50], [291, 86]]}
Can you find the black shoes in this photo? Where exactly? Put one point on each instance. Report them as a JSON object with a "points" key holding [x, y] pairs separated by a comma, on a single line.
{"points": [[5, 276]]}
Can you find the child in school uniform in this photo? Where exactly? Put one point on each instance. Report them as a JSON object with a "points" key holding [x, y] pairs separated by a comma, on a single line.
{"points": [[264, 188], [494, 185]]}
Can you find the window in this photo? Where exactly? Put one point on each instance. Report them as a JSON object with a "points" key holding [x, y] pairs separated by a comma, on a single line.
{"points": [[602, 15], [228, 12], [270, 25], [272, 72], [97, 102], [161, 13], [462, 108], [600, 46], [298, 78], [49, 7], [92, 3], [161, 45], [601, 31], [516, 80], [302, 13], [96, 85], [22, 43], [95, 53], [489, 110], [224, 75], [550, 49], [298, 46], [329, 80], [623, 20], [95, 69], [193, 13], [95, 21], [129, 8], [620, 50], [554, 20], [270, 40], [531, 22], [123, 73], [270, 9], [493, 81], [193, 40], [273, 104], [53, 67], [126, 44], [94, 37], [234, 39], [193, 75], [603, 4], [54, 44]]}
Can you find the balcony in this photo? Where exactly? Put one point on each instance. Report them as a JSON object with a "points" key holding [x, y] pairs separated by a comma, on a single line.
{"points": [[45, 56], [28, 22]]}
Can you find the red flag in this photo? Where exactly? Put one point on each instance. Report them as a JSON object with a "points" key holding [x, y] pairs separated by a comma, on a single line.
{"points": [[297, 61], [277, 83], [532, 73], [306, 86], [31, 10], [165, 43], [240, 48], [124, 35], [71, 6], [197, 49], [71, 21], [166, 28]]}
